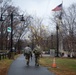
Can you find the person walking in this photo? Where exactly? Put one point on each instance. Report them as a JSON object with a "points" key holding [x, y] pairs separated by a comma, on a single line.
{"points": [[37, 53], [27, 54]]}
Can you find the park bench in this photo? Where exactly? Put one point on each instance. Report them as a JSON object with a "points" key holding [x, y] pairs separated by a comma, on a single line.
{"points": [[3, 55]]}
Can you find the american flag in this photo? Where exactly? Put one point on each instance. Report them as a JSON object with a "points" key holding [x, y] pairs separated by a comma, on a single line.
{"points": [[59, 7]]}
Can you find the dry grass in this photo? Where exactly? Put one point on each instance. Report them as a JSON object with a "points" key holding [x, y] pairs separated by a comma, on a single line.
{"points": [[5, 64], [65, 66]]}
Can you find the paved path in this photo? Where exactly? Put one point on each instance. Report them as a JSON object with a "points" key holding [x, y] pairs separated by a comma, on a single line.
{"points": [[18, 67]]}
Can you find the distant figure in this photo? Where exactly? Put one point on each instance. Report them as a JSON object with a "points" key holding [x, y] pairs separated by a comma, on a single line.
{"points": [[27, 54], [37, 53]]}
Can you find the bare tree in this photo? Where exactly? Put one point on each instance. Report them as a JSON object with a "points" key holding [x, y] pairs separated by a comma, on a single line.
{"points": [[39, 33], [67, 28], [3, 7], [18, 27]]}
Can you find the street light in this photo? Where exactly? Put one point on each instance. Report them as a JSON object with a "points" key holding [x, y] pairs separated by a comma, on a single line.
{"points": [[12, 16]]}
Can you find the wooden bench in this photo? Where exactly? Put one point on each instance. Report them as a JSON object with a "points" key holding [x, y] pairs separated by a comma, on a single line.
{"points": [[3, 55]]}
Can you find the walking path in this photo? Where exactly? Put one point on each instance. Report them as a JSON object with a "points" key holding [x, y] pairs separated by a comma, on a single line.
{"points": [[18, 67]]}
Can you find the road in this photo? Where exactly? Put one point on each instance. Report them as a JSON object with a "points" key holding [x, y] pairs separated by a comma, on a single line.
{"points": [[18, 67]]}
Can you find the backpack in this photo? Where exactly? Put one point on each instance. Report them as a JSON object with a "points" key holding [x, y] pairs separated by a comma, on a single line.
{"points": [[27, 50], [37, 51]]}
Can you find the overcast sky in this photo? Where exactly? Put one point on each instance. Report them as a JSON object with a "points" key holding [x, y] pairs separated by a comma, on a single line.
{"points": [[41, 8]]}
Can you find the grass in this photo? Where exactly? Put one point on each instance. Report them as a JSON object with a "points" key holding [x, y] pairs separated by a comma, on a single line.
{"points": [[5, 64], [65, 66]]}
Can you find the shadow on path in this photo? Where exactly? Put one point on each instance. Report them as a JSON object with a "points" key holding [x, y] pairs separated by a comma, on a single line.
{"points": [[18, 67]]}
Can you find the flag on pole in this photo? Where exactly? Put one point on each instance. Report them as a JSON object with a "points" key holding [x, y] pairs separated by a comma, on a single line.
{"points": [[58, 8]]}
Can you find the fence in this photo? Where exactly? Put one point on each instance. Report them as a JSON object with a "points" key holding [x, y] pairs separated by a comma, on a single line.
{"points": [[4, 54]]}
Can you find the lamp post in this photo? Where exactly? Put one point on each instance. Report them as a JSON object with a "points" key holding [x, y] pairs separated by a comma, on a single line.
{"points": [[11, 31], [11, 39]]}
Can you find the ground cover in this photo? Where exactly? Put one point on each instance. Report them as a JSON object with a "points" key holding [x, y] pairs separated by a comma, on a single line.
{"points": [[65, 66], [5, 64]]}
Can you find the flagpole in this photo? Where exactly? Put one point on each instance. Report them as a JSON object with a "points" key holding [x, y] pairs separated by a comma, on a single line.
{"points": [[62, 6], [57, 37], [58, 8], [57, 29]]}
